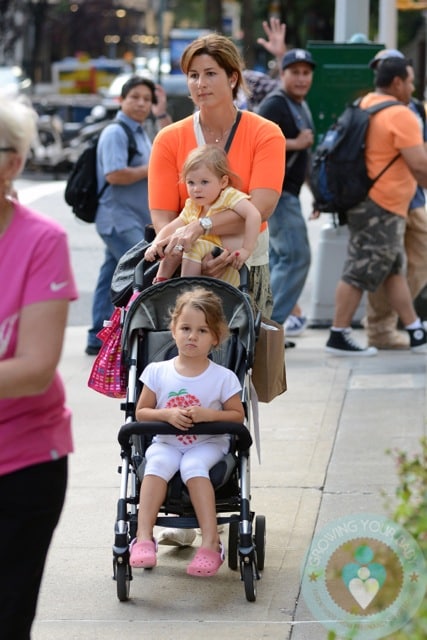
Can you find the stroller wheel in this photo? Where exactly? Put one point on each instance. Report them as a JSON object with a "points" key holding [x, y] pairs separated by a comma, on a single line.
{"points": [[233, 544], [259, 540], [249, 579], [123, 578]]}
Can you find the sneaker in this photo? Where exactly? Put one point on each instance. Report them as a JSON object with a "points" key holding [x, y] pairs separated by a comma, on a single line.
{"points": [[340, 343], [418, 340], [177, 537], [295, 325]]}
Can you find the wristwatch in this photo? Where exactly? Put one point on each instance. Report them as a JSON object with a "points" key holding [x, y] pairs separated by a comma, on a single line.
{"points": [[206, 224]]}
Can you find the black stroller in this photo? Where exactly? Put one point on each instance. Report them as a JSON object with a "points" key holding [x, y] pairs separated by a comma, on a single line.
{"points": [[147, 338]]}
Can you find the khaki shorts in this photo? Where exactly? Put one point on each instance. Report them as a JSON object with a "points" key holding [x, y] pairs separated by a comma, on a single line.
{"points": [[376, 246]]}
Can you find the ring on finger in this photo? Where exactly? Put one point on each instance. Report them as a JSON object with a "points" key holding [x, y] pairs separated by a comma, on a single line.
{"points": [[179, 247]]}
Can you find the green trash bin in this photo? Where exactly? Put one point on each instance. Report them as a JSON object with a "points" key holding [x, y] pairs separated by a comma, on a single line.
{"points": [[341, 75]]}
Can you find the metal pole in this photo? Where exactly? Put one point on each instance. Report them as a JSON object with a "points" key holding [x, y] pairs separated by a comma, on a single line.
{"points": [[351, 17], [387, 28], [162, 9]]}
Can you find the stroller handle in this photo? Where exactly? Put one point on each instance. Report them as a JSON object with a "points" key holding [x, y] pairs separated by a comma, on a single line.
{"points": [[244, 438]]}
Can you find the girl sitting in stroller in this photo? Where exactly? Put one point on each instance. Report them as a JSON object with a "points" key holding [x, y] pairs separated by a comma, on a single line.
{"points": [[183, 391], [208, 178]]}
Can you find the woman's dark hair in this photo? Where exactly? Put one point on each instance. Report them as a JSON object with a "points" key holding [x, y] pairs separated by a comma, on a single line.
{"points": [[135, 81], [389, 69]]}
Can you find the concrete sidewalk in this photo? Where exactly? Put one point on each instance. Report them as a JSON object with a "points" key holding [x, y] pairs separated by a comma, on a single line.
{"points": [[323, 456]]}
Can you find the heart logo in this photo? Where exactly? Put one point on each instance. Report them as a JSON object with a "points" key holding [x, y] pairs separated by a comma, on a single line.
{"points": [[364, 591]]}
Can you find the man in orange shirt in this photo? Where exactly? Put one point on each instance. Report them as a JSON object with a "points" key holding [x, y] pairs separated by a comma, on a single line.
{"points": [[381, 321], [376, 253]]}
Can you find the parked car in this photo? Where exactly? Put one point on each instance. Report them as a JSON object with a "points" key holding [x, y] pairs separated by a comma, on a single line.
{"points": [[175, 85], [13, 81]]}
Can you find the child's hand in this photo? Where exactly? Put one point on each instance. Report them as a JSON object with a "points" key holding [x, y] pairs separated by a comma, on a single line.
{"points": [[239, 258], [150, 254], [197, 414], [156, 250], [179, 418]]}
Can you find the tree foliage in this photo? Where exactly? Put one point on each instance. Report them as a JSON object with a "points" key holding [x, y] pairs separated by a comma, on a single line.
{"points": [[51, 31]]}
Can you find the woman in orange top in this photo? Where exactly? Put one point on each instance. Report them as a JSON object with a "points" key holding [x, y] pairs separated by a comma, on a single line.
{"points": [[256, 154]]}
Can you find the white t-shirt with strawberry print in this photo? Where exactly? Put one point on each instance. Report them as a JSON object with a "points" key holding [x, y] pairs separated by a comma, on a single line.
{"points": [[210, 389]]}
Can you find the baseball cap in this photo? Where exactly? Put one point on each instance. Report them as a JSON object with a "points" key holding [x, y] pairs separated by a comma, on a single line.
{"points": [[297, 55], [383, 55]]}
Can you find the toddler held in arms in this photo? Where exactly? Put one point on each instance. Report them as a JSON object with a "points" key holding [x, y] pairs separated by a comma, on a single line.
{"points": [[209, 179]]}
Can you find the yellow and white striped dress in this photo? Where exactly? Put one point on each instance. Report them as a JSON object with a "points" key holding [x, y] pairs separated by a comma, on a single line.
{"points": [[227, 199]]}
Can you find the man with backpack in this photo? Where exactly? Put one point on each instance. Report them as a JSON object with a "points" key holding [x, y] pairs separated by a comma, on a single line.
{"points": [[122, 212], [376, 253], [381, 320], [289, 252]]}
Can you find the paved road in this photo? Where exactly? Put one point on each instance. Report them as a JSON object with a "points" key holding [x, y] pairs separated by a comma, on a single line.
{"points": [[323, 456], [47, 196]]}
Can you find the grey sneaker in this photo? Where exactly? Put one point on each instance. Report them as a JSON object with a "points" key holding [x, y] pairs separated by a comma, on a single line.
{"points": [[295, 325], [340, 343], [418, 340], [176, 537]]}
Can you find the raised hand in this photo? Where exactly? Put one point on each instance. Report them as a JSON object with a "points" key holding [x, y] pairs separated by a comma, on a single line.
{"points": [[276, 34]]}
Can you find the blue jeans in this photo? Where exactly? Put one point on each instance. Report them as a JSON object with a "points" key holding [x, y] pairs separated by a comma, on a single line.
{"points": [[116, 244], [289, 255]]}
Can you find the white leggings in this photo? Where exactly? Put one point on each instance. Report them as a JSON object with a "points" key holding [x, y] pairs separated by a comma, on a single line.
{"points": [[192, 460]]}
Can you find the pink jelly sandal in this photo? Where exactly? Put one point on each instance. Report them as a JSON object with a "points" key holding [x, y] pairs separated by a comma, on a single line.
{"points": [[206, 562], [143, 554]]}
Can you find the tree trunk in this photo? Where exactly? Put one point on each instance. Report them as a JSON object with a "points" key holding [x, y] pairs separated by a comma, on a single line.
{"points": [[213, 15], [248, 33]]}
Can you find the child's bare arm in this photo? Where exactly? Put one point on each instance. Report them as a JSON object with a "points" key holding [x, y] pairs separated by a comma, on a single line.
{"points": [[252, 217], [162, 239], [146, 412], [232, 411]]}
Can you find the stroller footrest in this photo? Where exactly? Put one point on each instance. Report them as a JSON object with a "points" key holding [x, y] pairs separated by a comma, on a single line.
{"points": [[182, 522]]}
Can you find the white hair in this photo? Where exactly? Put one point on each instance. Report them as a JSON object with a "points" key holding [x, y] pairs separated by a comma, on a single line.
{"points": [[17, 128]]}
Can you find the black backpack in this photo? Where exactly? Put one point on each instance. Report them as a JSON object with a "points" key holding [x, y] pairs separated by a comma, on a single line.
{"points": [[339, 179], [81, 191]]}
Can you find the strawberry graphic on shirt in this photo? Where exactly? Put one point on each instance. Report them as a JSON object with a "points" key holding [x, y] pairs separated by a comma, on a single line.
{"points": [[182, 399]]}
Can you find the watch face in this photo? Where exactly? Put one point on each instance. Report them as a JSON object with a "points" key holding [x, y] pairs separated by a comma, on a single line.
{"points": [[206, 223]]}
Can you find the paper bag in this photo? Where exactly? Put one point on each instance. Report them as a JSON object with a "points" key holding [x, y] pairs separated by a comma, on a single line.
{"points": [[269, 372]]}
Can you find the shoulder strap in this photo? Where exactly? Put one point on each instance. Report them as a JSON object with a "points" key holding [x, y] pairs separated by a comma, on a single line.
{"points": [[372, 111], [232, 132], [132, 148], [383, 105], [420, 108]]}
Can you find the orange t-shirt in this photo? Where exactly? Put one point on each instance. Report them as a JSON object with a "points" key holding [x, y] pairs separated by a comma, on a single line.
{"points": [[390, 130], [256, 155]]}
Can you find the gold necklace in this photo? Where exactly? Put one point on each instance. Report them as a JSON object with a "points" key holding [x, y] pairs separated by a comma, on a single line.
{"points": [[211, 133]]}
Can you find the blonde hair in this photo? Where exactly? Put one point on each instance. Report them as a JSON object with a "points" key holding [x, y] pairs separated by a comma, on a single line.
{"points": [[225, 54], [17, 128], [212, 157], [209, 303]]}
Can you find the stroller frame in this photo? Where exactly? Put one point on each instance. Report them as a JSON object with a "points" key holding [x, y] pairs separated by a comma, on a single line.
{"points": [[231, 476]]}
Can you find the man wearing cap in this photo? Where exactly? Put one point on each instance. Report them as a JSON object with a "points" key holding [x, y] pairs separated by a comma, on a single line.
{"points": [[289, 245], [381, 320]]}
